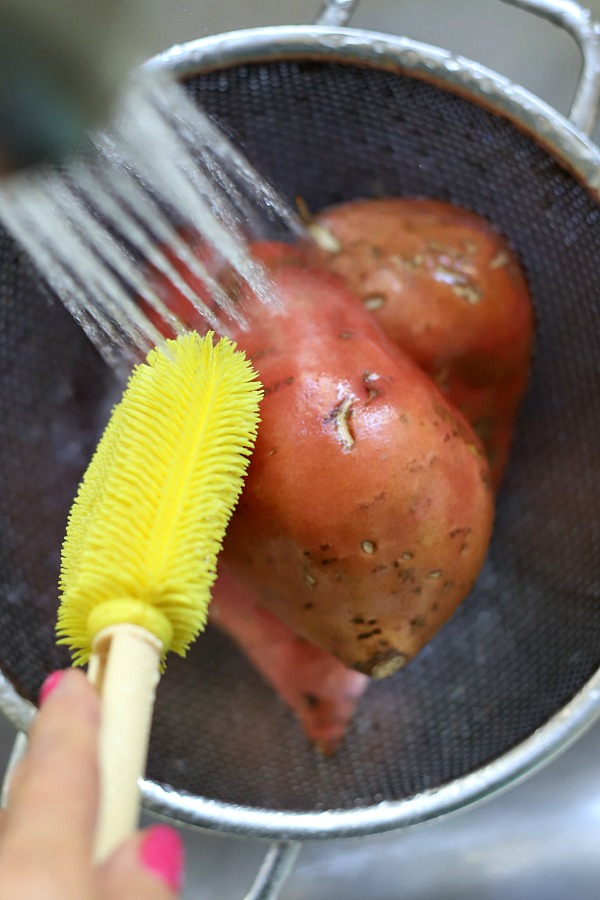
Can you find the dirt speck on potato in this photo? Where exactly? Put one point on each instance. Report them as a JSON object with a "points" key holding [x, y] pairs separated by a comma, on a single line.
{"points": [[501, 259], [372, 303], [311, 700], [309, 580], [384, 663]]}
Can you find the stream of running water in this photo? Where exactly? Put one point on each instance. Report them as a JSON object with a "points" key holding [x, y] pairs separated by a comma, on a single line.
{"points": [[147, 189]]}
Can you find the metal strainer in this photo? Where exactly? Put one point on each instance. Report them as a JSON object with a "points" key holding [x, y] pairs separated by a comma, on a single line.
{"points": [[332, 113]]}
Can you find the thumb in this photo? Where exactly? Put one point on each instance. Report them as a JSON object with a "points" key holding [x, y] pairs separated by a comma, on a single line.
{"points": [[147, 866]]}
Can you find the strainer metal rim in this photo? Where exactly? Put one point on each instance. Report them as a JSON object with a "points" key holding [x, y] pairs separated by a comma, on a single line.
{"points": [[380, 50], [544, 745], [581, 156]]}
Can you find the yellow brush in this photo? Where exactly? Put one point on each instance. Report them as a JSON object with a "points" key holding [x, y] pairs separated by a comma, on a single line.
{"points": [[140, 552]]}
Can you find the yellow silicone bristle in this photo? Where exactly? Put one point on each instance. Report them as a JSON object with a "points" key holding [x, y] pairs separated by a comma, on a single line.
{"points": [[151, 512]]}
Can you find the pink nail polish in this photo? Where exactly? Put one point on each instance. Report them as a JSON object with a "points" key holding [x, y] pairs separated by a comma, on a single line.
{"points": [[50, 684], [162, 853]]}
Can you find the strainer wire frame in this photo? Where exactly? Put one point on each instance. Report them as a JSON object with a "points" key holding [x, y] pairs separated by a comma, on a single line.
{"points": [[568, 140]]}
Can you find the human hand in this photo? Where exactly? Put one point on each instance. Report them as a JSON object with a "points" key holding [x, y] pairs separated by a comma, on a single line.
{"points": [[47, 831]]}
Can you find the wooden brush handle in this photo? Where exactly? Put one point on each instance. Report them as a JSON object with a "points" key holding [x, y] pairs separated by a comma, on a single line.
{"points": [[125, 668]]}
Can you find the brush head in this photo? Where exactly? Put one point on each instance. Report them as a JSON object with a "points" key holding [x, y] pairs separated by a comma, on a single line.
{"points": [[149, 518]]}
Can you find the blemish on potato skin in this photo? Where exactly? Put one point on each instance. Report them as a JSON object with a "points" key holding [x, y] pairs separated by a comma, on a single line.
{"points": [[376, 301], [273, 388], [469, 246], [469, 292], [501, 259], [260, 354], [368, 547], [456, 426], [329, 561], [309, 580], [309, 605], [376, 499], [439, 247], [369, 381], [358, 620], [311, 700], [325, 239], [383, 663], [363, 636], [340, 416], [464, 533], [406, 575], [407, 262]]}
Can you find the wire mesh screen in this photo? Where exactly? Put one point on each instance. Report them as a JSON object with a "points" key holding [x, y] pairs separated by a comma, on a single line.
{"points": [[528, 637]]}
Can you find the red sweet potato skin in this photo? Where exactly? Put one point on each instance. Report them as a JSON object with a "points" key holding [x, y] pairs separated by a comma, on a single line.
{"points": [[447, 289], [318, 688], [367, 509]]}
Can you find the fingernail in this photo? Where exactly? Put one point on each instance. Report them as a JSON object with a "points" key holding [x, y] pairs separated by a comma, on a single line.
{"points": [[162, 853], [50, 684]]}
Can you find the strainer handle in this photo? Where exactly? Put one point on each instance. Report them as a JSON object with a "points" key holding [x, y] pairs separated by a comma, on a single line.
{"points": [[567, 14], [336, 12], [581, 25], [275, 870], [16, 755]]}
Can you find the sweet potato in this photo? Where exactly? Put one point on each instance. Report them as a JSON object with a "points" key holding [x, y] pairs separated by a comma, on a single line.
{"points": [[367, 509], [448, 290]]}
